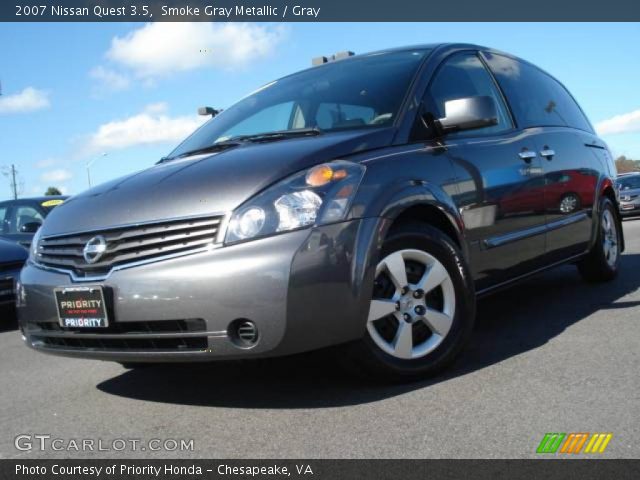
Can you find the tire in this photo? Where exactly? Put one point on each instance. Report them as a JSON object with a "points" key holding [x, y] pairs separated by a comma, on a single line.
{"points": [[601, 263], [448, 310]]}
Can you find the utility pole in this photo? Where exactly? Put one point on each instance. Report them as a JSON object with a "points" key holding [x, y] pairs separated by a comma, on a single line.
{"points": [[14, 185]]}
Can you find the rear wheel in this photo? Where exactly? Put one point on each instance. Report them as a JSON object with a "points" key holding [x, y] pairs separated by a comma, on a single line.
{"points": [[422, 308], [601, 264]]}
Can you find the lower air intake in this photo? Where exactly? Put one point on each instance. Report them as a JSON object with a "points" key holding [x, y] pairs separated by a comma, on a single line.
{"points": [[243, 333]]}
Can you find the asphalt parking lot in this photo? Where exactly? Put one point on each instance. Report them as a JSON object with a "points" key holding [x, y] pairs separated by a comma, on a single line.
{"points": [[551, 355]]}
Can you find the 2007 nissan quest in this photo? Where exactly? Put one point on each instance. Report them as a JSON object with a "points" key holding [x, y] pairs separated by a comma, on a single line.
{"points": [[366, 201]]}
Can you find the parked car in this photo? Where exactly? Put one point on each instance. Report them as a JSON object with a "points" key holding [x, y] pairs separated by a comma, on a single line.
{"points": [[20, 219], [12, 258], [629, 192], [355, 203]]}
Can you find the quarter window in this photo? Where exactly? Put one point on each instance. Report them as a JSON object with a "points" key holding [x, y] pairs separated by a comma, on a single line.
{"points": [[537, 99], [462, 76]]}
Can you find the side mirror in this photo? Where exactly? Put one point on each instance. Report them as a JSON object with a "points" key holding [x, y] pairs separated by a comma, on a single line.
{"points": [[30, 227], [468, 113], [208, 111]]}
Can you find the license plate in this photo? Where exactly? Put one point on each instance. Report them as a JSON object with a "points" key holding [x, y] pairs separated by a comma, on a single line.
{"points": [[81, 307]]}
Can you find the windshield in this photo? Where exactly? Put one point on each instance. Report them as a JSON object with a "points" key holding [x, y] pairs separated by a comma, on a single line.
{"points": [[360, 92], [629, 183]]}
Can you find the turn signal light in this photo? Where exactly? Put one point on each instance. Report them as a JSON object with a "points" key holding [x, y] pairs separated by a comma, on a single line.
{"points": [[323, 174]]}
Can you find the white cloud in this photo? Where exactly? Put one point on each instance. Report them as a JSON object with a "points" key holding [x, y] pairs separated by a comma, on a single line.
{"points": [[28, 100], [57, 175], [110, 79], [625, 123], [162, 48], [153, 125], [45, 163]]}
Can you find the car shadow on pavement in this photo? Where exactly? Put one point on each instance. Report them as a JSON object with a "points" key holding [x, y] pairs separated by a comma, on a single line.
{"points": [[508, 323], [8, 319]]}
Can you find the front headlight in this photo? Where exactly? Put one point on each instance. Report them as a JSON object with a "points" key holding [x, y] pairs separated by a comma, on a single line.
{"points": [[317, 196], [33, 249]]}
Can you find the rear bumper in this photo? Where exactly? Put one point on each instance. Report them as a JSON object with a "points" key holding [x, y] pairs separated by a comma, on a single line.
{"points": [[303, 290]]}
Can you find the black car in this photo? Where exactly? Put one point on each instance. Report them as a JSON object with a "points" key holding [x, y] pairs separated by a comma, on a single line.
{"points": [[367, 201], [20, 219], [12, 258]]}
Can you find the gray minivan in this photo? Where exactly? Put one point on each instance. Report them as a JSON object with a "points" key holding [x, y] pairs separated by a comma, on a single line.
{"points": [[365, 202]]}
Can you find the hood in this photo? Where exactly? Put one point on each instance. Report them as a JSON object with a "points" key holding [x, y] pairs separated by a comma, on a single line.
{"points": [[11, 252], [204, 184]]}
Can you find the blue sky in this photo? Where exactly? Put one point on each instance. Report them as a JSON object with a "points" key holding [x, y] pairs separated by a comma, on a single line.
{"points": [[72, 92]]}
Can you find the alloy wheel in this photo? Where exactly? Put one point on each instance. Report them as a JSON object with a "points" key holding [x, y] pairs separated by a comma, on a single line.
{"points": [[609, 238], [413, 304]]}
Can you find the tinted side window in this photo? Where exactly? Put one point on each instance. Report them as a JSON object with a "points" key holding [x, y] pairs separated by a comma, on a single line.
{"points": [[461, 76], [536, 99], [22, 215], [3, 224]]}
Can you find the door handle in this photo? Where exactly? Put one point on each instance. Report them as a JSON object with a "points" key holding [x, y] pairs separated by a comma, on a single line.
{"points": [[527, 155], [547, 153]]}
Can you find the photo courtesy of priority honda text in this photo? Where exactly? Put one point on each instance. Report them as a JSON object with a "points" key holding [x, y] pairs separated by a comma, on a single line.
{"points": [[363, 203]]}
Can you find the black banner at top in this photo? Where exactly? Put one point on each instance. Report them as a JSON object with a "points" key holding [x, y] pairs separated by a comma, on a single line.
{"points": [[316, 10]]}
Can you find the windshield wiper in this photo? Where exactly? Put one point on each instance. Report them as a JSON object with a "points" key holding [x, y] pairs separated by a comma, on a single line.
{"points": [[277, 135], [257, 137], [215, 147]]}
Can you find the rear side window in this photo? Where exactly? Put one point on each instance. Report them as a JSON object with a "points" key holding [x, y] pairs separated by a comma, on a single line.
{"points": [[537, 100], [461, 76]]}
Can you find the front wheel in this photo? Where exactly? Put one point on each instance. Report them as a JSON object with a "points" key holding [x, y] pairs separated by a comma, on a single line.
{"points": [[601, 263], [422, 308]]}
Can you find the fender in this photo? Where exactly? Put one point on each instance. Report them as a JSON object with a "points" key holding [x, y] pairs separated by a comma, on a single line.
{"points": [[405, 194]]}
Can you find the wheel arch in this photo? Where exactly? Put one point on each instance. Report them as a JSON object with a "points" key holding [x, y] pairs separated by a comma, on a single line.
{"points": [[426, 203], [606, 189]]}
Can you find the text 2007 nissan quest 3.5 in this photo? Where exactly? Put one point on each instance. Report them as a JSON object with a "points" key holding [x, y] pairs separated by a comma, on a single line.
{"points": [[365, 202]]}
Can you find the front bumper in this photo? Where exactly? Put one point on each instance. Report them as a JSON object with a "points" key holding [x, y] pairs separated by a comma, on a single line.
{"points": [[303, 290], [629, 208], [7, 287]]}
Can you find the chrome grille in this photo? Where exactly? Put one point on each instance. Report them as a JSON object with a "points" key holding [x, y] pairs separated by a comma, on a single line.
{"points": [[128, 244]]}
